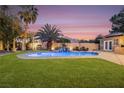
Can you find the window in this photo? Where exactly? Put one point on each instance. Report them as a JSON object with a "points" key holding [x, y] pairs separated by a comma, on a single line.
{"points": [[110, 45], [116, 42]]}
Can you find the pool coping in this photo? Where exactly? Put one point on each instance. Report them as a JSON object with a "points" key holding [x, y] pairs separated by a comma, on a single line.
{"points": [[22, 56]]}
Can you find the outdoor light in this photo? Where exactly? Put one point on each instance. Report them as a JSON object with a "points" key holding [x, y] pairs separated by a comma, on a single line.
{"points": [[71, 48], [53, 48]]}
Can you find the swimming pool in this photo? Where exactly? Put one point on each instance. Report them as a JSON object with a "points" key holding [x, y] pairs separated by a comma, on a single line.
{"points": [[60, 54]]}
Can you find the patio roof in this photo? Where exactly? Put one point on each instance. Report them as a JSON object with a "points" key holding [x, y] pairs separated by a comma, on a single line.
{"points": [[114, 35]]}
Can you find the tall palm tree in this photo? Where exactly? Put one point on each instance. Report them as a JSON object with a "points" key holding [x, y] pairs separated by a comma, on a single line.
{"points": [[16, 30], [28, 15], [49, 33]]}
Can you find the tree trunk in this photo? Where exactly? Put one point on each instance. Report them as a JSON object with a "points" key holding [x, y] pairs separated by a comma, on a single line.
{"points": [[49, 44], [25, 37], [33, 45], [23, 44], [7, 46], [14, 45]]}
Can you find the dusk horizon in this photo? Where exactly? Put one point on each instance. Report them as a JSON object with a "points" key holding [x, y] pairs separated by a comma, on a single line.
{"points": [[79, 22]]}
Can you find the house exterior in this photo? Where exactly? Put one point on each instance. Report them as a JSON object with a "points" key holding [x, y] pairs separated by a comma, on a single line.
{"points": [[37, 44], [113, 43]]}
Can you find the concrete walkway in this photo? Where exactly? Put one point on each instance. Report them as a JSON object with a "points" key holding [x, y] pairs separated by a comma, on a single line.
{"points": [[110, 56]]}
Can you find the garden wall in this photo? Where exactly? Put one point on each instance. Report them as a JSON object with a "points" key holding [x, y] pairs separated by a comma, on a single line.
{"points": [[71, 46]]}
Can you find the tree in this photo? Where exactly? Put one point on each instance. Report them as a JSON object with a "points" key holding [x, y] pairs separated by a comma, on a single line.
{"points": [[4, 10], [5, 22], [82, 41], [49, 33], [3, 19], [10, 27], [16, 30], [97, 39], [28, 15], [9, 30], [63, 40], [117, 22]]}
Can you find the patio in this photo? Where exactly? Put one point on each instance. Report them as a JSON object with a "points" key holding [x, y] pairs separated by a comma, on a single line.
{"points": [[113, 57]]}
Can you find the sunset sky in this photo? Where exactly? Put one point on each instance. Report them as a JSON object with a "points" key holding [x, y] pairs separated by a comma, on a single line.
{"points": [[80, 22]]}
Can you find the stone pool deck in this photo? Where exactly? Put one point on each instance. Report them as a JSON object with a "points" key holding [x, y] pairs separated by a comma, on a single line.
{"points": [[109, 56], [113, 57]]}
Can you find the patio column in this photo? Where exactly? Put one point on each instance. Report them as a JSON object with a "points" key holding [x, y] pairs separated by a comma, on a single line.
{"points": [[14, 45], [1, 45]]}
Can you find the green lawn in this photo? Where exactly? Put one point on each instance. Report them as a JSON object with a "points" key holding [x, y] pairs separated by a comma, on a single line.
{"points": [[48, 73]]}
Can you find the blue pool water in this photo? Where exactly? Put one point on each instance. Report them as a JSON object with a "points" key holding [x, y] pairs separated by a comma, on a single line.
{"points": [[61, 54]]}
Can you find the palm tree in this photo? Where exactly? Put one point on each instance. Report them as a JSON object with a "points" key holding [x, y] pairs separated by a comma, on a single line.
{"points": [[16, 30], [28, 15], [49, 33]]}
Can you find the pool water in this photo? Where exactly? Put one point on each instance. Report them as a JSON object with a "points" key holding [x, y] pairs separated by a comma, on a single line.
{"points": [[61, 54]]}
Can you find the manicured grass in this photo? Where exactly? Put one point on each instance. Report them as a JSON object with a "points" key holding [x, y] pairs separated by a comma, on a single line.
{"points": [[63, 73]]}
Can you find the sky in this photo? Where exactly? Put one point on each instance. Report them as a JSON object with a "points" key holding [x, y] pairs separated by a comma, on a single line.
{"points": [[77, 21]]}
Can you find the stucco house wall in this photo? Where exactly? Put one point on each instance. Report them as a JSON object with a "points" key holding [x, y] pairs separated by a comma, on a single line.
{"points": [[120, 47], [118, 43], [119, 50]]}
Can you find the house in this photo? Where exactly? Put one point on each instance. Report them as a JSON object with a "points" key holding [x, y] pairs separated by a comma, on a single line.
{"points": [[113, 43], [37, 44]]}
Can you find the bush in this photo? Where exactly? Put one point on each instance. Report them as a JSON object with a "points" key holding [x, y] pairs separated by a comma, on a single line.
{"points": [[82, 49], [76, 48]]}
